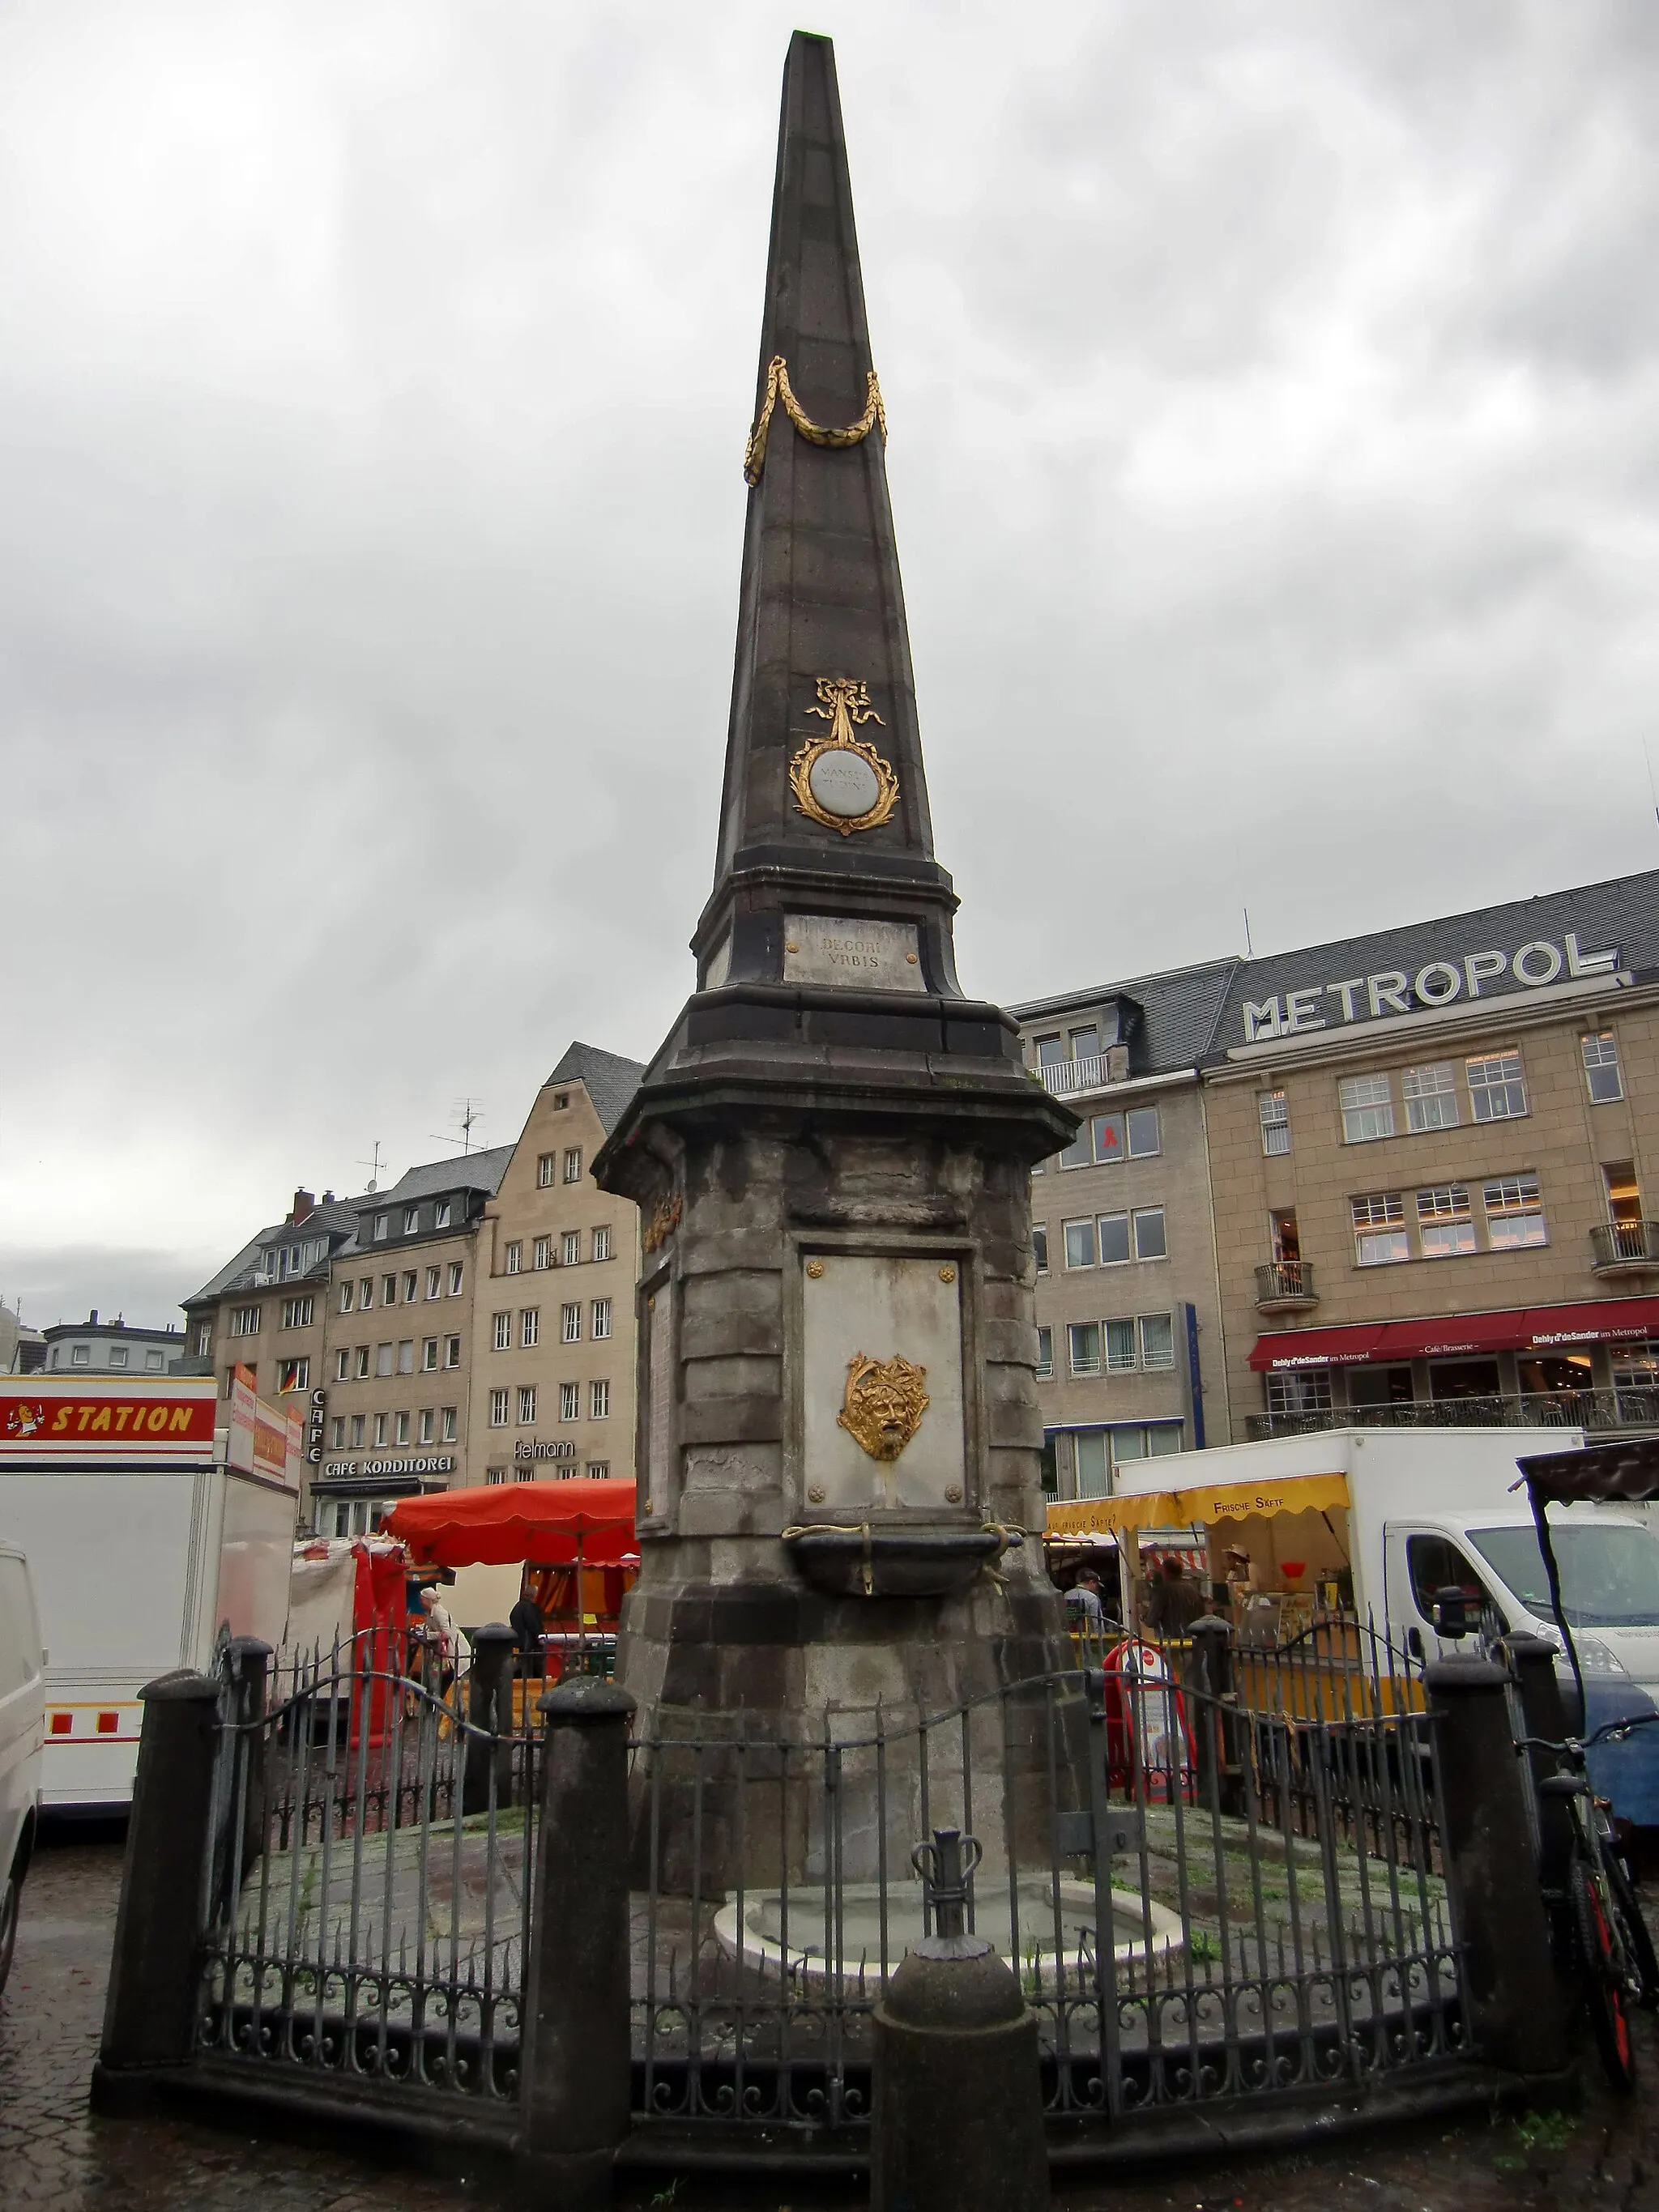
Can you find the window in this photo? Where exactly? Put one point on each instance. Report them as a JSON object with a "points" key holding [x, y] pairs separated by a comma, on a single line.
{"points": [[1497, 1091], [1157, 1341], [454, 1279], [402, 1434], [1050, 1050], [1299, 1393], [1601, 1068], [452, 1351], [1114, 1239], [1105, 1134], [514, 1257], [495, 1475], [362, 1362], [382, 1225], [1149, 1234], [1379, 1229], [573, 1165], [411, 1219], [545, 1166], [383, 1359], [530, 1327], [527, 1404], [1045, 1355], [600, 1320], [411, 1287], [504, 1326], [598, 1469], [443, 1214], [428, 1425], [356, 1432], [298, 1313], [498, 1409], [345, 1298], [447, 1418], [342, 1366], [434, 1282], [406, 1356], [1514, 1213], [598, 1401], [380, 1430], [388, 1290], [429, 1355], [1275, 1117], [541, 1253], [1083, 1347], [601, 1242], [1080, 1244], [1090, 1450], [1039, 1246], [1120, 1347], [336, 1433], [204, 1341], [571, 1247], [1445, 1227], [1624, 1196], [365, 1294], [570, 1323], [1143, 1132], [117, 1355], [1430, 1097], [1367, 1108], [1080, 1152], [244, 1321], [570, 1402]]}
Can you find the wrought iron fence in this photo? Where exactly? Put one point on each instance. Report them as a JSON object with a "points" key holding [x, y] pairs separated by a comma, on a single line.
{"points": [[1208, 1889], [1628, 1407]]}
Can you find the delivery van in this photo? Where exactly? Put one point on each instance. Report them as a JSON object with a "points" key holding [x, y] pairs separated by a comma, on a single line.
{"points": [[158, 1519], [21, 1705]]}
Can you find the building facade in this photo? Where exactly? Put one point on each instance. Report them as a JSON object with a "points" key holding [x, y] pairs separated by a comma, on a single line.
{"points": [[553, 1325], [1405, 1178], [109, 1347]]}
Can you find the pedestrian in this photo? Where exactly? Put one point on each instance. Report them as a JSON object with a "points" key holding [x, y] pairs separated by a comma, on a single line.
{"points": [[1084, 1610], [1176, 1600], [529, 1626], [439, 1635]]}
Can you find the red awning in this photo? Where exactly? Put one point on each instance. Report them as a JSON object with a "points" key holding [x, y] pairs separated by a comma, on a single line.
{"points": [[1522, 1329], [540, 1522]]}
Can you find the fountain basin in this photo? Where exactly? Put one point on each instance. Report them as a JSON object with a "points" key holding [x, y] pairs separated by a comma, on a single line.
{"points": [[864, 1562], [816, 1954]]}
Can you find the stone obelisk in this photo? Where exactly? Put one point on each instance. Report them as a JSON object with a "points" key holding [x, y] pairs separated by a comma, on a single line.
{"points": [[838, 1424]]}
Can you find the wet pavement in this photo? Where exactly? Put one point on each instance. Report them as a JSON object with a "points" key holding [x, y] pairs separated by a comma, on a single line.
{"points": [[1603, 2157]]}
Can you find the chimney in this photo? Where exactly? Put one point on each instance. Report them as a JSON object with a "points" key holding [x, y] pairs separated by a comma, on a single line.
{"points": [[304, 1206], [92, 1318]]}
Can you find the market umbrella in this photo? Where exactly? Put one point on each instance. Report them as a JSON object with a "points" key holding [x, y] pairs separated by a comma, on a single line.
{"points": [[550, 1524]]}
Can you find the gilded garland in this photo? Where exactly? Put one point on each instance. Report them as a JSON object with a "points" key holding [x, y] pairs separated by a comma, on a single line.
{"points": [[874, 417], [884, 1405], [839, 779]]}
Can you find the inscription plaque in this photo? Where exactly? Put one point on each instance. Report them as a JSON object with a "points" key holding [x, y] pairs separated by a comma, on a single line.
{"points": [[870, 956]]}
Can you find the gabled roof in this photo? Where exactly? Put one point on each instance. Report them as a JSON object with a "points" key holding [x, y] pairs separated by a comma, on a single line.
{"points": [[609, 1079], [338, 1218], [463, 1171]]}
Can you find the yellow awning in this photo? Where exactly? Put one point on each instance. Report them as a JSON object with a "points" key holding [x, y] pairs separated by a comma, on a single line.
{"points": [[1207, 1505]]}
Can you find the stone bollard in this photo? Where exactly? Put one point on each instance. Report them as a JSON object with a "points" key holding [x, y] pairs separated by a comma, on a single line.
{"points": [[149, 2015], [1516, 2013], [958, 2099], [489, 1707], [250, 1666], [577, 2065]]}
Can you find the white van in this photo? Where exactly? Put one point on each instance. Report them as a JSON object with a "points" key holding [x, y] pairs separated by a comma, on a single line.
{"points": [[23, 1708]]}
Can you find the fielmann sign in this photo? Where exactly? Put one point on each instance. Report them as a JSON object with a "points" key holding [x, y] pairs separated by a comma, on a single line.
{"points": [[1437, 983]]}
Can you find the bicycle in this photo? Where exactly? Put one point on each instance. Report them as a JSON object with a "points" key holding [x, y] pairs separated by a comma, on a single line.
{"points": [[1591, 1900]]}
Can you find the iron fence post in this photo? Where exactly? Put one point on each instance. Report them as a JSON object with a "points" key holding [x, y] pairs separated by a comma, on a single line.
{"points": [[1215, 1736], [575, 2066], [149, 2015], [1515, 2010], [489, 1709], [248, 1663]]}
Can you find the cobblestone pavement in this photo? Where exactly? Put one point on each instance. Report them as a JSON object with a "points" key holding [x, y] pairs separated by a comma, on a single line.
{"points": [[54, 2153]]}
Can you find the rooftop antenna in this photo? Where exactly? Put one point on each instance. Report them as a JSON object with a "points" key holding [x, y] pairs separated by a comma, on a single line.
{"points": [[466, 1112], [1653, 793], [374, 1167], [1249, 950]]}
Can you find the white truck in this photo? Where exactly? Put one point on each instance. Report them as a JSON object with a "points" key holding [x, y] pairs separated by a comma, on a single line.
{"points": [[158, 1519], [1426, 1510]]}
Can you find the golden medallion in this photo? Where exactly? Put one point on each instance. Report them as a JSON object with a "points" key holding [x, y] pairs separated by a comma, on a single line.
{"points": [[885, 1404], [839, 779]]}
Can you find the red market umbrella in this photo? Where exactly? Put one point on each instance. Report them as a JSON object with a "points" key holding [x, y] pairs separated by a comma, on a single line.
{"points": [[549, 1524]]}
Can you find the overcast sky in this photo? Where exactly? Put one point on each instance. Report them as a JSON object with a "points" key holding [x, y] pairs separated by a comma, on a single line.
{"points": [[1274, 405]]}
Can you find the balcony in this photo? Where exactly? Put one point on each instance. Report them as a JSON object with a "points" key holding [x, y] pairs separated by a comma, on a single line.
{"points": [[1062, 1079], [1284, 1286], [1601, 1412], [1625, 1247]]}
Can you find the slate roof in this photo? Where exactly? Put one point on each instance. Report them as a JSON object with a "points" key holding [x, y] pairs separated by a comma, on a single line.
{"points": [[1179, 1008], [461, 1171], [339, 1215], [609, 1079]]}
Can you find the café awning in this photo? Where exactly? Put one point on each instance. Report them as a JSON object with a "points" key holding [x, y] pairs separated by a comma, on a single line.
{"points": [[1206, 1504], [546, 1524], [1450, 1336]]}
